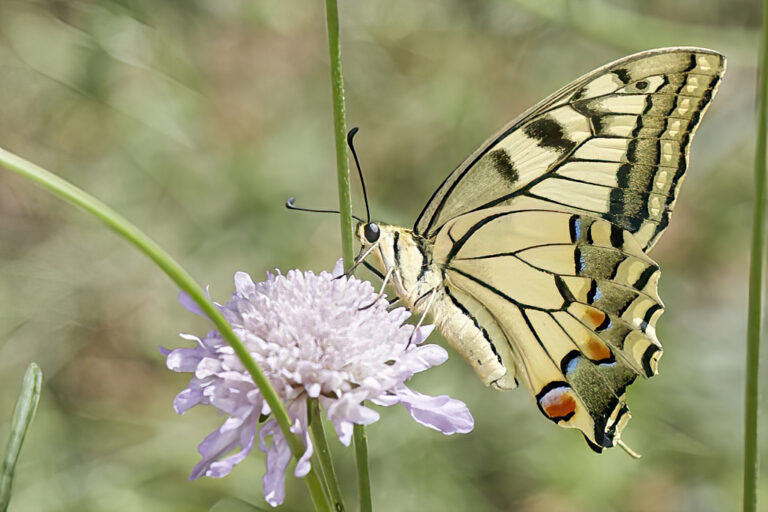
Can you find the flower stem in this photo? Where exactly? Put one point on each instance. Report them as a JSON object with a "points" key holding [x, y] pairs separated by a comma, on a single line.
{"points": [[23, 413], [345, 207], [363, 476], [324, 454], [68, 192], [757, 260]]}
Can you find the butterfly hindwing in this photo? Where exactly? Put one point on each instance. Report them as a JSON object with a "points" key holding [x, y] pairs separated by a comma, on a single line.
{"points": [[574, 298], [613, 144]]}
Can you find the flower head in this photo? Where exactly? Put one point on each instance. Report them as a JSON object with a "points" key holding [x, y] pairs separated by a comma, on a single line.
{"points": [[311, 337]]}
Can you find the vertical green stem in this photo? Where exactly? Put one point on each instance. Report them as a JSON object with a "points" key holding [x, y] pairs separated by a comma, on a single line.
{"points": [[70, 193], [324, 454], [345, 207], [316, 462], [363, 477], [340, 131], [26, 405], [757, 260]]}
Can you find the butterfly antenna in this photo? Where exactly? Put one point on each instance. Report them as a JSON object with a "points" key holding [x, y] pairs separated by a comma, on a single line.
{"points": [[351, 144], [289, 204]]}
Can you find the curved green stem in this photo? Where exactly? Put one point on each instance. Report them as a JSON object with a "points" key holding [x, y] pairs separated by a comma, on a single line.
{"points": [[67, 191], [23, 413], [757, 260], [345, 207]]}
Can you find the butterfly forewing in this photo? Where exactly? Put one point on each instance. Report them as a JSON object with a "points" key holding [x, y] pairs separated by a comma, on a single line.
{"points": [[613, 144]]}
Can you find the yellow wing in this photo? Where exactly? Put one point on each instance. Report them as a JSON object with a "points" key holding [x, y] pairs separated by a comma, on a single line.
{"points": [[613, 144], [570, 300]]}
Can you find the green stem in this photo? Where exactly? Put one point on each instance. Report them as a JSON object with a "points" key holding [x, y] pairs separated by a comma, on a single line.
{"points": [[324, 454], [757, 260], [23, 413], [68, 192], [317, 463], [340, 132], [363, 476], [345, 207], [315, 460]]}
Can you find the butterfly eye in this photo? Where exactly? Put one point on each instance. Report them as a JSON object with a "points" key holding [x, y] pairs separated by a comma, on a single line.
{"points": [[372, 233]]}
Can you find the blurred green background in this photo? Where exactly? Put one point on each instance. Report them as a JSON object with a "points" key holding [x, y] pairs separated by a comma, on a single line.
{"points": [[197, 119]]}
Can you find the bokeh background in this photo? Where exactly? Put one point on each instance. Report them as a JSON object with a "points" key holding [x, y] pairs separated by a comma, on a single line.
{"points": [[197, 119]]}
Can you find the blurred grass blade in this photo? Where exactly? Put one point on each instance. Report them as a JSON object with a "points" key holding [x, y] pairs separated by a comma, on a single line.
{"points": [[25, 409], [757, 261]]}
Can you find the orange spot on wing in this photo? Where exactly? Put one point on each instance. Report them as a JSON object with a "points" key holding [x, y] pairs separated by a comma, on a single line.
{"points": [[594, 317], [596, 350], [558, 404]]}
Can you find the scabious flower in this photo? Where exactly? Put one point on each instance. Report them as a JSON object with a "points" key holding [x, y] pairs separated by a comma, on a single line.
{"points": [[311, 338]]}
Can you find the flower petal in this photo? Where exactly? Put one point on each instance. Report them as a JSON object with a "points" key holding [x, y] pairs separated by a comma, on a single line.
{"points": [[221, 468], [344, 413], [421, 334], [184, 359], [278, 457], [206, 367], [338, 268], [422, 358], [189, 304], [244, 285], [443, 413], [187, 399], [303, 465], [219, 443]]}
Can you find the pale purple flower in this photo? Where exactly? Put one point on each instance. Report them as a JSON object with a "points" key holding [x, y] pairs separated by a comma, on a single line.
{"points": [[311, 338]]}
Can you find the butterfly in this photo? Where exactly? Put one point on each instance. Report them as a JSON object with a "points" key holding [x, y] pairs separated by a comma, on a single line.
{"points": [[532, 256]]}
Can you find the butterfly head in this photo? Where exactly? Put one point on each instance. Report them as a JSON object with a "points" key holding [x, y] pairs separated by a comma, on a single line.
{"points": [[383, 241], [371, 236], [368, 233]]}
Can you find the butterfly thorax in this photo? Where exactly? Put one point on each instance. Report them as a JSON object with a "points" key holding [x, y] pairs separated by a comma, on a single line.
{"points": [[418, 277]]}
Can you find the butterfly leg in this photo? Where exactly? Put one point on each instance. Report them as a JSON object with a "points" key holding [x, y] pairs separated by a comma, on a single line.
{"points": [[393, 301], [432, 294], [358, 260], [374, 270], [381, 292]]}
